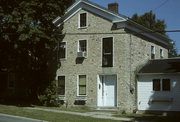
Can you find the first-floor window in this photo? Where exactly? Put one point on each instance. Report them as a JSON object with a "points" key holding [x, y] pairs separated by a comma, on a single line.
{"points": [[161, 85], [156, 85], [82, 85], [61, 85], [166, 84]]}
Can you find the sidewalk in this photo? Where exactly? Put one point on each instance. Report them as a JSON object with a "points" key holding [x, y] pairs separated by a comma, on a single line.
{"points": [[102, 115]]}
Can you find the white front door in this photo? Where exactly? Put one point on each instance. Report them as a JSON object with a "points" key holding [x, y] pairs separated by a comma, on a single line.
{"points": [[107, 90]]}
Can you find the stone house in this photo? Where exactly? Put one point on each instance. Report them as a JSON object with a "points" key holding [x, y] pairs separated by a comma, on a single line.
{"points": [[100, 55]]}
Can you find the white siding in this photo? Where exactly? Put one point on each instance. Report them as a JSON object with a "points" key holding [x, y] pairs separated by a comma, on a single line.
{"points": [[146, 93]]}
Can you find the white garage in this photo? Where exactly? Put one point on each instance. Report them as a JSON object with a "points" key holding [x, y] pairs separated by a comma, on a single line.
{"points": [[159, 85]]}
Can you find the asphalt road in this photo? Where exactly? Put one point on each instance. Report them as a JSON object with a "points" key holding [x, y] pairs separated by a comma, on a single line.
{"points": [[10, 118]]}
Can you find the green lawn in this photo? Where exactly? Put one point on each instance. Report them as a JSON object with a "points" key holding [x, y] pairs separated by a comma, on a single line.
{"points": [[80, 110], [48, 116]]}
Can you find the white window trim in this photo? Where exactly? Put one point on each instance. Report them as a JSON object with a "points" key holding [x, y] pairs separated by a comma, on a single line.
{"points": [[79, 20], [65, 51], [65, 85], [102, 51], [86, 46], [161, 85], [78, 85]]}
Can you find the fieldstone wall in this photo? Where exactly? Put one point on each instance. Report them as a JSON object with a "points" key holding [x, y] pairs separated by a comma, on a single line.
{"points": [[130, 52]]}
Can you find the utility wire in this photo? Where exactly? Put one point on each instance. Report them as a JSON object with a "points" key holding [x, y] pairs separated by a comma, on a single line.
{"points": [[158, 7]]}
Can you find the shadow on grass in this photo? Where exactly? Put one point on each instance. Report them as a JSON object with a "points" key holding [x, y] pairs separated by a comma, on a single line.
{"points": [[20, 102]]}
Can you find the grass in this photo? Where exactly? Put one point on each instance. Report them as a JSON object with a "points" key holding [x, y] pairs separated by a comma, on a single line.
{"points": [[48, 116], [75, 109]]}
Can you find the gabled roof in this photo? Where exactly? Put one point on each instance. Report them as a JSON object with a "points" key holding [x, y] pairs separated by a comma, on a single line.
{"points": [[120, 20], [94, 8], [161, 66]]}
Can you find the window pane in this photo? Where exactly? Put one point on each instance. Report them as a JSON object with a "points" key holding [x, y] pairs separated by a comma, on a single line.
{"points": [[82, 80], [166, 85], [61, 85], [107, 52], [82, 90], [83, 20], [82, 85], [156, 85], [82, 45], [62, 50]]}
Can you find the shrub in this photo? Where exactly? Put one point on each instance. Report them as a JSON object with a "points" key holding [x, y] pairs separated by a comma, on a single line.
{"points": [[49, 97]]}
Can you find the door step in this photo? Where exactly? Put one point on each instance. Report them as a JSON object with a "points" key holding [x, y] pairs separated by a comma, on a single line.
{"points": [[108, 109]]}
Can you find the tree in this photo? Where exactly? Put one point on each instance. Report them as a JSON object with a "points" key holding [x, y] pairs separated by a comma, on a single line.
{"points": [[150, 21], [28, 40]]}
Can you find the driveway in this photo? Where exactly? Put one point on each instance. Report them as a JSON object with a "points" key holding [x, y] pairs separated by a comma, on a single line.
{"points": [[10, 118]]}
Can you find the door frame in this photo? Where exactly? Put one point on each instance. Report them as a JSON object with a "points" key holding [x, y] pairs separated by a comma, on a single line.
{"points": [[116, 88]]}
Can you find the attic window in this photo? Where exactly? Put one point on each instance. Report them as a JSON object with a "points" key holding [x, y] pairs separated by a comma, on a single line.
{"points": [[83, 20]]}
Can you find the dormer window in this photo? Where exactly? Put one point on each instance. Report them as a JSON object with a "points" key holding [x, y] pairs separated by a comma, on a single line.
{"points": [[83, 20]]}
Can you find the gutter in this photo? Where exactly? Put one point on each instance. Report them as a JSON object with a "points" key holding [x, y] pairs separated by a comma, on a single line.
{"points": [[142, 74]]}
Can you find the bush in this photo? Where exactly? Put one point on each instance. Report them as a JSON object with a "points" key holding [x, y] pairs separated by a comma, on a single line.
{"points": [[49, 97]]}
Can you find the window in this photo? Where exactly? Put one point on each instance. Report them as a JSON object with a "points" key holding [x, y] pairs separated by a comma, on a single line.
{"points": [[107, 56], [161, 85], [166, 84], [152, 52], [62, 50], [82, 45], [161, 53], [82, 85], [11, 80], [83, 20], [61, 85], [156, 85]]}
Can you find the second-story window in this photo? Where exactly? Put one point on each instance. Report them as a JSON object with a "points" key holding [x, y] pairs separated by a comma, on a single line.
{"points": [[161, 53], [82, 45], [83, 20], [152, 52], [107, 53], [62, 50]]}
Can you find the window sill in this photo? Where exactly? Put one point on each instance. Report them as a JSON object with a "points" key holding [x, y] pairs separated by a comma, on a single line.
{"points": [[83, 27], [62, 59], [81, 98]]}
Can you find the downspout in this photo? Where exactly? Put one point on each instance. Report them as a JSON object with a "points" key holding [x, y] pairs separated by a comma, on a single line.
{"points": [[130, 62]]}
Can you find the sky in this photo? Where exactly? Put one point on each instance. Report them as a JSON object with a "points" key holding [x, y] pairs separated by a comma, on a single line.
{"points": [[167, 10]]}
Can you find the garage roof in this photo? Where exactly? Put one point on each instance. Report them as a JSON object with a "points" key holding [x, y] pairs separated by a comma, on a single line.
{"points": [[158, 66]]}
